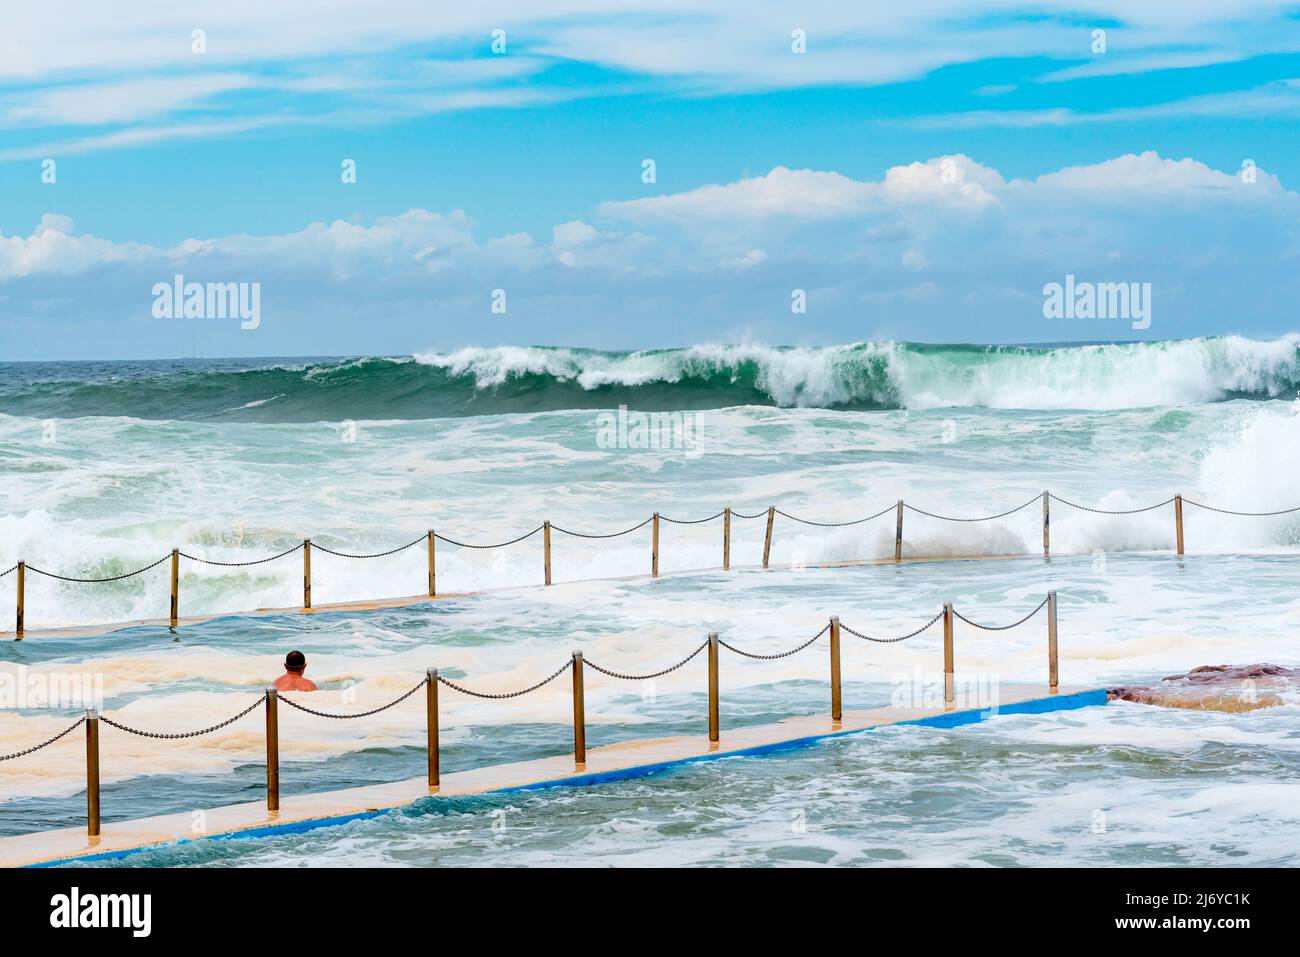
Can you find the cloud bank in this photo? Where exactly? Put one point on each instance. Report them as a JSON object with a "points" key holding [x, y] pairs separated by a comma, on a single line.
{"points": [[945, 249]]}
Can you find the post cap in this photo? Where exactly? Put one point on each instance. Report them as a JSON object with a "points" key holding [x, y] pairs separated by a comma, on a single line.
{"points": [[92, 714], [835, 618], [713, 636], [432, 672], [577, 654], [271, 691]]}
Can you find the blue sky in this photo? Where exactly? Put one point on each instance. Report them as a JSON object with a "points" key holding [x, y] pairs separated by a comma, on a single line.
{"points": [[918, 173]]}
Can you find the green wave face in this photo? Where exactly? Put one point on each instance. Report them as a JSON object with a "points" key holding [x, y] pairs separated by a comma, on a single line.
{"points": [[507, 379]]}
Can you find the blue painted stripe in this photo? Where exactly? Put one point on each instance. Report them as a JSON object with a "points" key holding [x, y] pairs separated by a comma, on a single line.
{"points": [[951, 719]]}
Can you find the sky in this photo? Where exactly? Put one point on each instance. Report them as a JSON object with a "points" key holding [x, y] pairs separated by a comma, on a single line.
{"points": [[393, 177]]}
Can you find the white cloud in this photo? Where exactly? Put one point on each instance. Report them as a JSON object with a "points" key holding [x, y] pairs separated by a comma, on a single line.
{"points": [[138, 136], [752, 257], [811, 195], [711, 226], [798, 194], [1149, 172], [92, 104], [947, 179], [54, 248], [1279, 98]]}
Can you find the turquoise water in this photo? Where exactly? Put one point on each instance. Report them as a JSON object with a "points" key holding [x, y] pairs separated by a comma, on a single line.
{"points": [[495, 381], [1121, 785], [106, 468]]}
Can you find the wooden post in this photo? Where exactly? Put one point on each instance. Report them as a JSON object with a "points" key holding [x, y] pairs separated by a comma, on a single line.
{"points": [[433, 567], [176, 584], [272, 751], [1047, 525], [431, 723], [579, 714], [726, 539], [948, 678], [306, 573], [767, 541], [654, 546], [837, 708], [898, 534], [92, 772], [1052, 673], [546, 549], [1178, 521], [713, 687], [22, 587]]}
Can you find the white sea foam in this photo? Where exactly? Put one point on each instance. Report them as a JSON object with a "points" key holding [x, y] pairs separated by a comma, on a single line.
{"points": [[1105, 376]]}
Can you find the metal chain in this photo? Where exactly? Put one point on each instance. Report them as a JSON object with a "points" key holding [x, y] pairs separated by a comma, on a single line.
{"points": [[656, 674], [675, 521], [183, 734], [452, 541], [782, 654], [45, 744], [1110, 511], [1228, 511], [112, 578], [890, 641], [1001, 627], [986, 518], [391, 551], [625, 531], [256, 561], [856, 521], [359, 714], [8, 570], [510, 694], [691, 521]]}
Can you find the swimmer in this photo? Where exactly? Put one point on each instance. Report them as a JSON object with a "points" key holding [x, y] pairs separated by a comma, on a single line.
{"points": [[295, 663]]}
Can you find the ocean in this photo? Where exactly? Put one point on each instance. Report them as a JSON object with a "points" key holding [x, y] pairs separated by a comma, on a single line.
{"points": [[106, 466]]}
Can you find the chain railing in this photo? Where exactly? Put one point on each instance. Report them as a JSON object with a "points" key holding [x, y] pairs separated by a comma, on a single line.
{"points": [[271, 698], [47, 742], [432, 537], [507, 695], [173, 735], [895, 640]]}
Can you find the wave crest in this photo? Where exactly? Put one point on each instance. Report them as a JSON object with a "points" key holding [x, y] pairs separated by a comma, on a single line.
{"points": [[517, 379]]}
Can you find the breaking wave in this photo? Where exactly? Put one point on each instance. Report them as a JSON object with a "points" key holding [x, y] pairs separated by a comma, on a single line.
{"points": [[514, 379]]}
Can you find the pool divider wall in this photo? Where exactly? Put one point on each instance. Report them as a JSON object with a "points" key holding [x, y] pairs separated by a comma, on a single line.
{"points": [[270, 699], [621, 761], [726, 514]]}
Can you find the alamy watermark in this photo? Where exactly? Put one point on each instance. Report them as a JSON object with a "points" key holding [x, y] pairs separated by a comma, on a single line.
{"points": [[646, 430], [1098, 300], [923, 690], [24, 688], [179, 299]]}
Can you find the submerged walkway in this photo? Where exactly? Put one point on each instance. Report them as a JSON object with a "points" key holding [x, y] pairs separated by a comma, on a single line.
{"points": [[378, 604], [627, 759]]}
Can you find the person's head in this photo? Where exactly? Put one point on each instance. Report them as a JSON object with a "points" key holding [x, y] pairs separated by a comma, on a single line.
{"points": [[295, 662]]}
